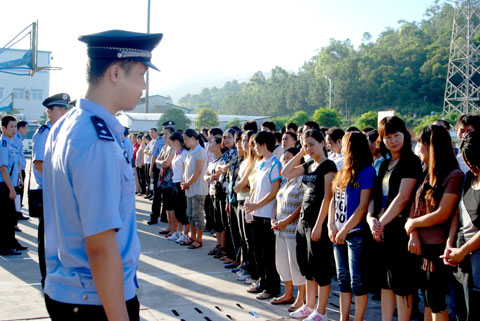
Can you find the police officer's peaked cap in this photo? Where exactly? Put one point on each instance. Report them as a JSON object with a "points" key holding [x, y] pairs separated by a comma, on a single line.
{"points": [[169, 123], [120, 44], [60, 100]]}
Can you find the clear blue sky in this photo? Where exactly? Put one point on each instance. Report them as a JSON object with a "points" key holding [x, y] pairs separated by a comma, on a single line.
{"points": [[201, 37]]}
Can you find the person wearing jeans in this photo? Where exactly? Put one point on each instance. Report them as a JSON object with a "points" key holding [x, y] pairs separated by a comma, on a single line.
{"points": [[353, 188]]}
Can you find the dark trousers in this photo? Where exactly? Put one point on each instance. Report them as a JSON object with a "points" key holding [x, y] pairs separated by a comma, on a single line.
{"points": [[22, 188], [264, 251], [142, 179], [8, 219], [235, 235], [41, 250], [147, 179], [79, 312], [157, 196], [248, 257], [209, 213]]}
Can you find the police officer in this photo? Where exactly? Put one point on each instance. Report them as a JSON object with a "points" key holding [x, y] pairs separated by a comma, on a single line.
{"points": [[22, 128], [56, 106], [91, 240], [9, 179]]}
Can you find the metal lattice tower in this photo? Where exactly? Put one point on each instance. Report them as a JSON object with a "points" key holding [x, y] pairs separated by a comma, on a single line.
{"points": [[462, 91]]}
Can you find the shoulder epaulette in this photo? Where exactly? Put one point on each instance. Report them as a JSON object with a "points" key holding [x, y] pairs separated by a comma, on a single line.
{"points": [[101, 127], [42, 128], [4, 143]]}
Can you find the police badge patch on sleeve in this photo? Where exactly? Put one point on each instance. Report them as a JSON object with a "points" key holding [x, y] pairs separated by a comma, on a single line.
{"points": [[101, 127]]}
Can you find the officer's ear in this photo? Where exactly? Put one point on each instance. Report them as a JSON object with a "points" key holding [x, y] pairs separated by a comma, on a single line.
{"points": [[113, 72]]}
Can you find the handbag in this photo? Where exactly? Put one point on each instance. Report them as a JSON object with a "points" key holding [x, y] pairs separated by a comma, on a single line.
{"points": [[35, 198]]}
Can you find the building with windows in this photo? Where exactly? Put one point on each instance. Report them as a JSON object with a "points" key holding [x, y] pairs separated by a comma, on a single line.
{"points": [[143, 121], [26, 93]]}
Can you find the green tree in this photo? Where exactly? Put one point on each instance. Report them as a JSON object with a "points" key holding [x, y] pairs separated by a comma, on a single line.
{"points": [[176, 115], [234, 122], [327, 117], [299, 118], [280, 121], [206, 117], [368, 119]]}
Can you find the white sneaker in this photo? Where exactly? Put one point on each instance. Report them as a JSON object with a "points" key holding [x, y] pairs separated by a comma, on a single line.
{"points": [[316, 316], [243, 276], [174, 236], [182, 238], [302, 312], [249, 280]]}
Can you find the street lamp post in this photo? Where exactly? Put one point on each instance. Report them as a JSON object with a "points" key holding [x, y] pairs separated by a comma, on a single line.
{"points": [[329, 92]]}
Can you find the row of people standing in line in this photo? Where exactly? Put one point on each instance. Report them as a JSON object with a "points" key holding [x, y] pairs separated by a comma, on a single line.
{"points": [[392, 195]]}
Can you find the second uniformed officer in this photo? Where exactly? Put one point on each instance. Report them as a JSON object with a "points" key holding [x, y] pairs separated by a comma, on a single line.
{"points": [[91, 239], [56, 106]]}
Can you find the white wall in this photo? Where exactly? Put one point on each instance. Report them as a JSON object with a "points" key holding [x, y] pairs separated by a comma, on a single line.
{"points": [[31, 105]]}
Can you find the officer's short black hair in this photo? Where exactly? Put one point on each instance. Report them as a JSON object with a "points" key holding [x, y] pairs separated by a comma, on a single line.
{"points": [[270, 125], [335, 133], [266, 138], [22, 124], [7, 119], [154, 129], [96, 68]]}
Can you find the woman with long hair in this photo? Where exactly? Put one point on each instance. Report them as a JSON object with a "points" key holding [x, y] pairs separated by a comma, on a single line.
{"points": [[397, 180], [352, 188], [194, 186], [463, 245], [428, 226], [314, 249], [242, 188]]}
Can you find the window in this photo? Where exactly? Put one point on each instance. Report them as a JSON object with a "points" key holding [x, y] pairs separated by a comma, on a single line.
{"points": [[19, 93], [37, 94], [1, 92]]}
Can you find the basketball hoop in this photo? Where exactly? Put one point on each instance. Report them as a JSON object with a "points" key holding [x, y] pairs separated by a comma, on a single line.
{"points": [[47, 68]]}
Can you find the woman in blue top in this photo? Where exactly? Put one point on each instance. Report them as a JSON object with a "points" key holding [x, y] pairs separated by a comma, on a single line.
{"points": [[352, 189]]}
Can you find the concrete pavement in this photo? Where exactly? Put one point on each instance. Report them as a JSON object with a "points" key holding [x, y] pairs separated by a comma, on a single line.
{"points": [[176, 283]]}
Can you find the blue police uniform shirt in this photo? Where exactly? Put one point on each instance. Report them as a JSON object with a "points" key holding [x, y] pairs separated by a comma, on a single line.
{"points": [[39, 140], [157, 148], [9, 158], [128, 148], [88, 188], [18, 144]]}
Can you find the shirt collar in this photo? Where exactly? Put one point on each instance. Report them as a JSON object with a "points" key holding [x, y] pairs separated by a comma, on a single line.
{"points": [[103, 113], [17, 135], [48, 124], [268, 160]]}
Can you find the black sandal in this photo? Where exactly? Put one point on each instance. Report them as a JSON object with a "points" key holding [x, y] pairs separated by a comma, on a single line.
{"points": [[214, 250]]}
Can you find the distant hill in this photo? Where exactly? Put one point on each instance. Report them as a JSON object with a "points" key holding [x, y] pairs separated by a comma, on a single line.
{"points": [[195, 85]]}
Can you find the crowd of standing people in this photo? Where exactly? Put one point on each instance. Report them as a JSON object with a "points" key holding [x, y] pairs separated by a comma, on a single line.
{"points": [[380, 212]]}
